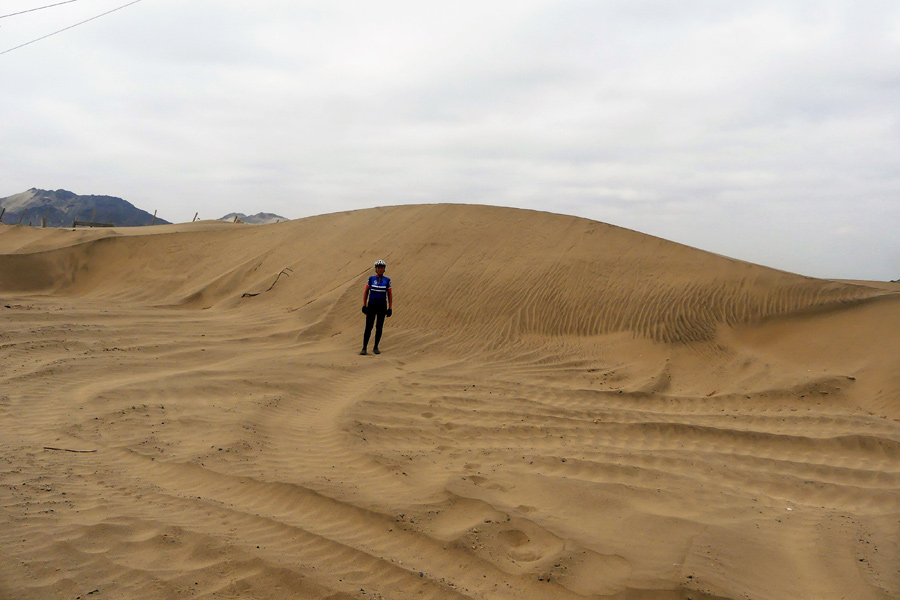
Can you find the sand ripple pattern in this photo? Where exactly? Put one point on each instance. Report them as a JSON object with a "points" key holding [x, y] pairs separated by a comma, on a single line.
{"points": [[658, 423], [513, 273]]}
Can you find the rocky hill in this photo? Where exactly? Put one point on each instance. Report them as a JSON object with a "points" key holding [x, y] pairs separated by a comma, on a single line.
{"points": [[62, 208], [257, 219]]}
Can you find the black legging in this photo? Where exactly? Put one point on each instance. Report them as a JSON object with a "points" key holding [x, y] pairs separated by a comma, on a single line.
{"points": [[375, 314]]}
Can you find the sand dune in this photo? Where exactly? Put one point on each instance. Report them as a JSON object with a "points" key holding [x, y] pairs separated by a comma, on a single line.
{"points": [[563, 409]]}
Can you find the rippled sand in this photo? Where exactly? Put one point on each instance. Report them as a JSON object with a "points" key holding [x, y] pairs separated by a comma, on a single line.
{"points": [[562, 409]]}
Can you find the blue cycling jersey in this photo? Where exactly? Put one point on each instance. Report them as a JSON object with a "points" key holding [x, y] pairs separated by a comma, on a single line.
{"points": [[378, 289]]}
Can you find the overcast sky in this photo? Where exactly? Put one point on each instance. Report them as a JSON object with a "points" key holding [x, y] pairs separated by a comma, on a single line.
{"points": [[765, 131]]}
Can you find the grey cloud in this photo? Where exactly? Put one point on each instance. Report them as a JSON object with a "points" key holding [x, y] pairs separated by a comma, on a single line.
{"points": [[765, 131]]}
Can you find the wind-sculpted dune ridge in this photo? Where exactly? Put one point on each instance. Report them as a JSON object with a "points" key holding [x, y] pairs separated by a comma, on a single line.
{"points": [[563, 409], [512, 272]]}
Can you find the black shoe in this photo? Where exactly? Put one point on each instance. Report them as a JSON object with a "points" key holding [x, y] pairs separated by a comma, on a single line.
{"points": [[376, 351], [362, 352]]}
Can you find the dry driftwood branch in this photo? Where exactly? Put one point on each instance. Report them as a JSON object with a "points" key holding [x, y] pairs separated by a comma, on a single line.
{"points": [[285, 271]]}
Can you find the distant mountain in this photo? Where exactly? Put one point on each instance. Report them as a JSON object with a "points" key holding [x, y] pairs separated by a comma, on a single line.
{"points": [[62, 208], [257, 219]]}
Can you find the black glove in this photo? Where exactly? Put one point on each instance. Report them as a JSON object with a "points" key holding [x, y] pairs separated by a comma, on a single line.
{"points": [[389, 312], [364, 310]]}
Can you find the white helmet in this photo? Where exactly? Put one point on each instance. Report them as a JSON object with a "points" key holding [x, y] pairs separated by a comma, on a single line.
{"points": [[380, 263]]}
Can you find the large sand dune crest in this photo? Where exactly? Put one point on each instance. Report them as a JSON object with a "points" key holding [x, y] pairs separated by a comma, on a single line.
{"points": [[563, 409], [459, 263]]}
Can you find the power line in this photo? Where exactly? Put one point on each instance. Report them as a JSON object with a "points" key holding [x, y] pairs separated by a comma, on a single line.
{"points": [[70, 26], [34, 9]]}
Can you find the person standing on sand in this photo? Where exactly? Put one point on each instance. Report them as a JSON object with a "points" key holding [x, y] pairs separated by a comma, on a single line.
{"points": [[377, 302]]}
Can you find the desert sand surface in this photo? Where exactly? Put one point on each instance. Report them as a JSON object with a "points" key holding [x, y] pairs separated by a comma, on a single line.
{"points": [[562, 409]]}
